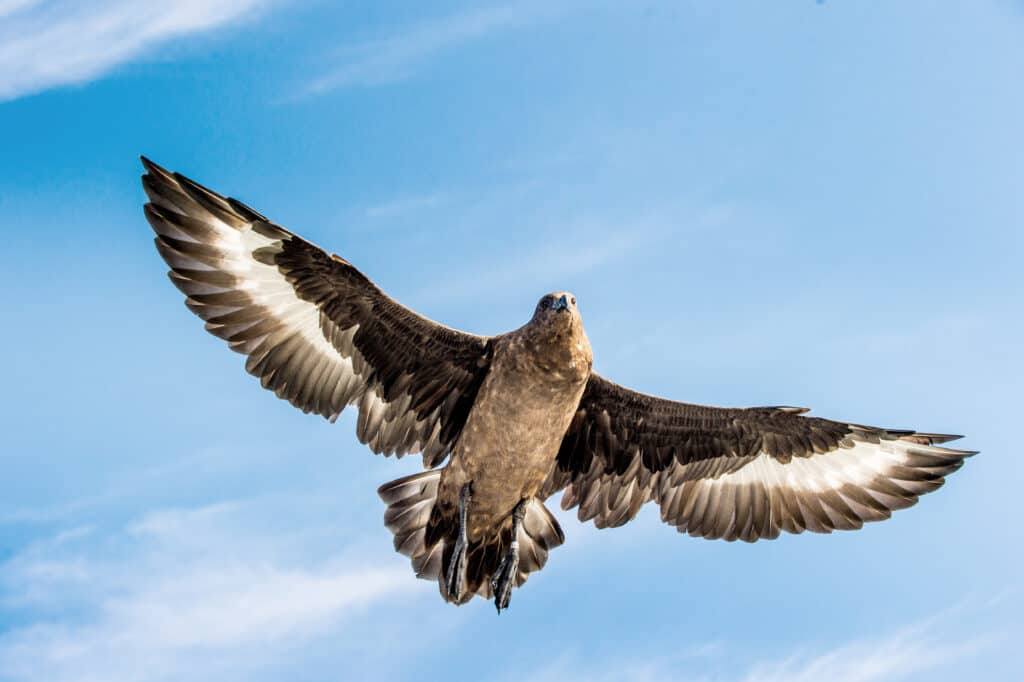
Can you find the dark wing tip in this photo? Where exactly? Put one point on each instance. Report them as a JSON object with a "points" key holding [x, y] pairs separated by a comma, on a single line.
{"points": [[961, 453], [924, 438], [193, 187], [155, 175], [247, 211], [153, 168], [942, 437], [152, 212], [791, 410], [156, 170]]}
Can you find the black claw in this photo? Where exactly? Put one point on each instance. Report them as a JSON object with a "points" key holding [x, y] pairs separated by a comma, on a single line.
{"points": [[457, 571], [456, 578], [505, 577]]}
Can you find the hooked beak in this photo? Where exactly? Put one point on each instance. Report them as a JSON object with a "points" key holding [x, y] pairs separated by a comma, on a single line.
{"points": [[561, 303]]}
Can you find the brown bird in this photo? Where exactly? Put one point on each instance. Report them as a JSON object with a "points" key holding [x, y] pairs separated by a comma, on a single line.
{"points": [[519, 416]]}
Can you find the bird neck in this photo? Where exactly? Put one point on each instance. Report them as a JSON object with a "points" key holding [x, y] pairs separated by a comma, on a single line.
{"points": [[562, 348]]}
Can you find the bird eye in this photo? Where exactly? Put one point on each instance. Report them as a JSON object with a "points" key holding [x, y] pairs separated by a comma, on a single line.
{"points": [[545, 303], [574, 300]]}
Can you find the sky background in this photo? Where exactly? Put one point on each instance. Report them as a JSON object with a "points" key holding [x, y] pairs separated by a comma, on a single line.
{"points": [[796, 202]]}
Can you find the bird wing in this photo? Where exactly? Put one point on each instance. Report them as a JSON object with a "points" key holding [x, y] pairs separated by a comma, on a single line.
{"points": [[317, 332], [738, 473]]}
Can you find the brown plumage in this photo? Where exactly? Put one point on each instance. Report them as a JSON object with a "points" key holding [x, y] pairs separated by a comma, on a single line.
{"points": [[519, 416]]}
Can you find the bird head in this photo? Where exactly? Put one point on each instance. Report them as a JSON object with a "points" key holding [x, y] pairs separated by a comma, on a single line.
{"points": [[559, 307], [558, 335]]}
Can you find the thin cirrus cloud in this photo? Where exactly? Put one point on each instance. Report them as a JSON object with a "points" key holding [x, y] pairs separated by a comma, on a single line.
{"points": [[578, 244], [915, 651], [50, 43], [404, 206], [546, 265], [398, 56], [8, 7], [191, 593]]}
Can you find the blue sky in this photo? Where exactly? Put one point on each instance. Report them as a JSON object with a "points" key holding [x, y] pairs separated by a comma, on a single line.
{"points": [[762, 203]]}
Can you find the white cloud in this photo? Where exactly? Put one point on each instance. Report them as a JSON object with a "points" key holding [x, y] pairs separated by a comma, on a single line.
{"points": [[655, 668], [8, 7], [186, 594], [569, 247], [549, 266], [396, 57], [405, 205], [910, 651], [48, 43], [916, 651]]}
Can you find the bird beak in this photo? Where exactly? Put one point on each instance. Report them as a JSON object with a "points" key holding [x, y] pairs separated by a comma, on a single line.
{"points": [[561, 303]]}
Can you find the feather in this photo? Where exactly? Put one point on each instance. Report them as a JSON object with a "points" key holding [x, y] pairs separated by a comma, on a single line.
{"points": [[739, 473], [317, 331]]}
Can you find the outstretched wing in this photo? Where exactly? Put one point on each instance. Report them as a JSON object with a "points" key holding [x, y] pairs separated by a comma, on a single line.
{"points": [[316, 331], [738, 473]]}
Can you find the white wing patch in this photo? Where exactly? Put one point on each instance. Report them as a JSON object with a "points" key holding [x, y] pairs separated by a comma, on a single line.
{"points": [[837, 490], [223, 261], [268, 288], [255, 309], [857, 466]]}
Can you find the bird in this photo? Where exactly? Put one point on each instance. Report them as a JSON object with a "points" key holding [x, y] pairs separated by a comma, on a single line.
{"points": [[504, 422]]}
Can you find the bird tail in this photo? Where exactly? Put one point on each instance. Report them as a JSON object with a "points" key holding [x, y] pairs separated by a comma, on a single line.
{"points": [[426, 533], [538, 534], [410, 503]]}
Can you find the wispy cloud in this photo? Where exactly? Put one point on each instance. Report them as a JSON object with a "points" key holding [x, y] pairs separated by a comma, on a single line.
{"points": [[12, 6], [396, 57], [48, 43], [564, 247], [405, 205], [647, 669], [905, 653], [180, 594], [576, 249], [137, 484], [913, 650]]}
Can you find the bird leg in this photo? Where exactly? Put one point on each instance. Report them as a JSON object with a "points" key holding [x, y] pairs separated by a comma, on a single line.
{"points": [[508, 570], [456, 578]]}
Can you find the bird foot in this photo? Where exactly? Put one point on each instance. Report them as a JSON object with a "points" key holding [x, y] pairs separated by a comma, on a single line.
{"points": [[508, 570], [456, 579], [505, 577]]}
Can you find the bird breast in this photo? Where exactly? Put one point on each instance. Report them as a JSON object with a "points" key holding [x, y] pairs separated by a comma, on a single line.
{"points": [[513, 433]]}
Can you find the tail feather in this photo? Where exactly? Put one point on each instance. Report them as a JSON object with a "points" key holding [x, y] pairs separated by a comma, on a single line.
{"points": [[538, 534], [410, 502], [410, 505]]}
